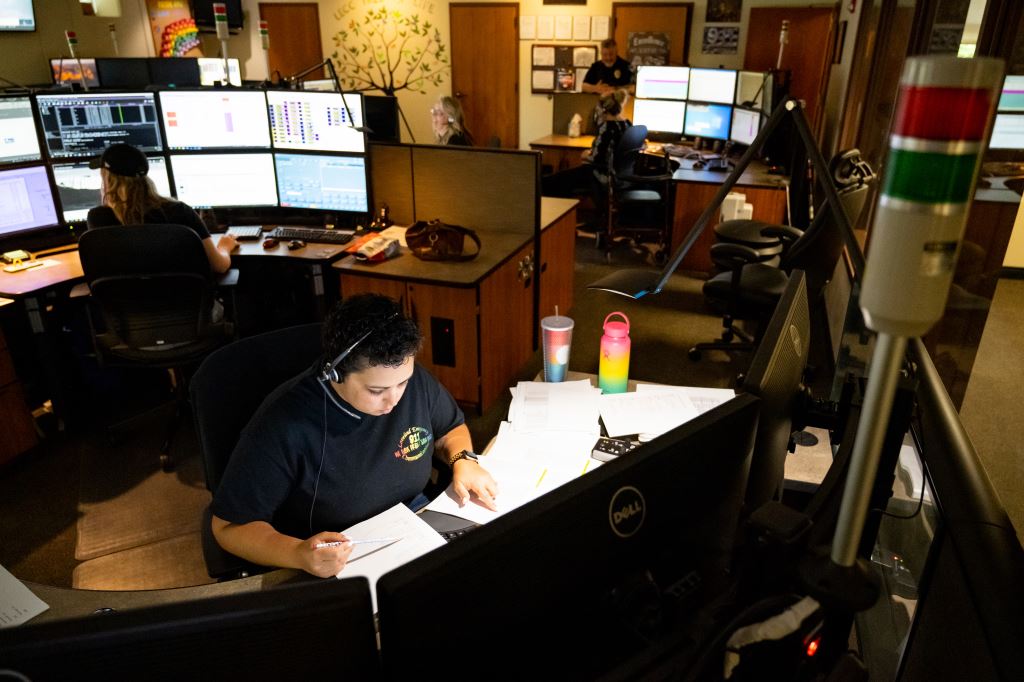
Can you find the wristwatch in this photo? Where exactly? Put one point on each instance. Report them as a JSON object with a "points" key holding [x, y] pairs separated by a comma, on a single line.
{"points": [[463, 454]]}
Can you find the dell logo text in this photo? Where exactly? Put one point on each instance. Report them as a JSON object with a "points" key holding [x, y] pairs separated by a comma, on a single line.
{"points": [[626, 511]]}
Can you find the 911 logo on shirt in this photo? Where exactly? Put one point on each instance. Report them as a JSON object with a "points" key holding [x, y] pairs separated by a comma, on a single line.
{"points": [[413, 444]]}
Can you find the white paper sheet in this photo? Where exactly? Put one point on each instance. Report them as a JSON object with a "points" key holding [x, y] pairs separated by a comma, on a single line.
{"points": [[649, 413], [543, 56], [599, 28], [703, 399], [17, 603], [545, 27], [581, 27], [583, 57], [543, 80], [373, 561], [527, 28], [539, 406], [563, 28]]}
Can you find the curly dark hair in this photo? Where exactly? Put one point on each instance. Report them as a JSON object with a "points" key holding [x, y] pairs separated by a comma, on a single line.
{"points": [[393, 336]]}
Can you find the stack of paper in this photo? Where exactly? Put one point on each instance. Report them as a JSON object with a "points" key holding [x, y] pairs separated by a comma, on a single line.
{"points": [[541, 407], [655, 409], [17, 603]]}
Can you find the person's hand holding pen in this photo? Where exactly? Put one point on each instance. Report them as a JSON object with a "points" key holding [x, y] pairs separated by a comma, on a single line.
{"points": [[324, 561], [470, 481]]}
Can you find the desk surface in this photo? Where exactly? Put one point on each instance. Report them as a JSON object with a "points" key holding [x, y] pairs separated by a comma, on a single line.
{"points": [[581, 142], [755, 175]]}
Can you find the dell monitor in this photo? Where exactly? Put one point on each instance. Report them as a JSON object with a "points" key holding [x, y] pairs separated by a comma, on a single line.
{"points": [[17, 15], [660, 116], [83, 125], [202, 12], [754, 90], [329, 183], [223, 180], [124, 72], [78, 186], [322, 84], [382, 118], [19, 140], [713, 85], [215, 119], [66, 71], [26, 201], [775, 376], [662, 82], [587, 578], [1012, 96], [316, 121], [1007, 132], [746, 124], [302, 631], [211, 71], [181, 72], [710, 121]]}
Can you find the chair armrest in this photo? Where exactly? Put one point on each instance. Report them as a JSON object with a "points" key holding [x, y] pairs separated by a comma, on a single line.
{"points": [[228, 279], [784, 233], [80, 290], [730, 256]]}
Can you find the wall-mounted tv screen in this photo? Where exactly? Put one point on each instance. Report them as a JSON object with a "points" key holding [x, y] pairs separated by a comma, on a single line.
{"points": [[66, 70], [17, 15]]}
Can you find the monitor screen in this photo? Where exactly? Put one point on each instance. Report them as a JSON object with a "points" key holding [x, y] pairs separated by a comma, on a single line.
{"points": [[315, 121], [125, 72], [708, 120], [83, 125], [66, 70], [211, 71], [318, 84], [745, 125], [1007, 132], [1012, 97], [202, 11], [78, 186], [17, 15], [331, 183], [182, 72], [215, 119], [584, 567], [19, 140], [26, 200], [212, 180], [382, 118], [713, 85], [751, 88], [660, 115], [662, 82]]}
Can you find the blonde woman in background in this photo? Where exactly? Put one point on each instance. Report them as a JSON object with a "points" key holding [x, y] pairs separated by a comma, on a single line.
{"points": [[447, 121]]}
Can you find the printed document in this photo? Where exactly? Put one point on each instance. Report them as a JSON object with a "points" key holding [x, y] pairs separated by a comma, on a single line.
{"points": [[17, 603]]}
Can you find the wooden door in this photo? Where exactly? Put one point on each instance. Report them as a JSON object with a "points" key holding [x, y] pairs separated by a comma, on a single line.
{"points": [[485, 70], [294, 37], [808, 54], [641, 17]]}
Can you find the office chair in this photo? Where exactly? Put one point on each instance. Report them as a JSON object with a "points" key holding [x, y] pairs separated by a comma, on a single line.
{"points": [[155, 295], [748, 288], [639, 202], [226, 391]]}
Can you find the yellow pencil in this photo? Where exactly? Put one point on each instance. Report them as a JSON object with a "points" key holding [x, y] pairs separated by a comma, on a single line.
{"points": [[542, 475], [587, 464]]}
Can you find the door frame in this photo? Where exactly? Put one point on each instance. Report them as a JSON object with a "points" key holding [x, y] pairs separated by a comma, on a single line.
{"points": [[515, 62], [662, 5]]}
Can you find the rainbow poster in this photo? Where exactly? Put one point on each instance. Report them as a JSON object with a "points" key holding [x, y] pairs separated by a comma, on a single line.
{"points": [[174, 29]]}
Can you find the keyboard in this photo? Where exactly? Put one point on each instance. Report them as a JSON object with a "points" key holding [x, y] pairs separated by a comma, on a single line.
{"points": [[311, 235], [456, 534], [244, 232]]}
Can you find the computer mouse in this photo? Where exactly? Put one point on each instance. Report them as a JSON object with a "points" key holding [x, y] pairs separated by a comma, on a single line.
{"points": [[296, 244], [269, 243]]}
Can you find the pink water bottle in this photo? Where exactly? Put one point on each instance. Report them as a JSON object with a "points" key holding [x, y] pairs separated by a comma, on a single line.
{"points": [[613, 369]]}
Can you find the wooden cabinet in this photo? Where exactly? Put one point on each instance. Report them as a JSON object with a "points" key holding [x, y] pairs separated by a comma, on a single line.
{"points": [[17, 427], [557, 265]]}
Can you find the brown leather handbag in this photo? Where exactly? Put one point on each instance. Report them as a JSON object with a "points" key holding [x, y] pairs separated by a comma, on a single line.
{"points": [[435, 240]]}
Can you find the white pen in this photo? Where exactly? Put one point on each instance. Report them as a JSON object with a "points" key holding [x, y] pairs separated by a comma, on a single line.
{"points": [[371, 541]]}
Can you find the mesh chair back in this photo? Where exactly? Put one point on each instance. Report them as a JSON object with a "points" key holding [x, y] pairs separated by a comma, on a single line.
{"points": [[152, 284], [233, 381]]}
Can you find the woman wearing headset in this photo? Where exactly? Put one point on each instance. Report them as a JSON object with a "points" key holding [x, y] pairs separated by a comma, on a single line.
{"points": [[449, 127], [343, 441]]}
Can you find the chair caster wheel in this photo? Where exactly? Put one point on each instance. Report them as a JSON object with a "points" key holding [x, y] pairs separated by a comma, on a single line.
{"points": [[693, 354], [166, 463], [660, 257], [727, 335]]}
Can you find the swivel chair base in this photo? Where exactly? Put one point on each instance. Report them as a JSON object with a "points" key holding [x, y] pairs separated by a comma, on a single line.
{"points": [[725, 342]]}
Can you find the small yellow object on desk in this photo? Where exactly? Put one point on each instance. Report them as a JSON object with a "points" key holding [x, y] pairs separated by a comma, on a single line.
{"points": [[18, 266]]}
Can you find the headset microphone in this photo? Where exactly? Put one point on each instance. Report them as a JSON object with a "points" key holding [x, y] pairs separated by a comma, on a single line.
{"points": [[330, 369]]}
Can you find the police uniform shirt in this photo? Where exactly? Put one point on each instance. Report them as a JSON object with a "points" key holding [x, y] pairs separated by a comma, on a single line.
{"points": [[619, 74], [370, 463]]}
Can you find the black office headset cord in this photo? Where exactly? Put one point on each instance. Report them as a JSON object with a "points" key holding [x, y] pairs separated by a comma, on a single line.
{"points": [[323, 455]]}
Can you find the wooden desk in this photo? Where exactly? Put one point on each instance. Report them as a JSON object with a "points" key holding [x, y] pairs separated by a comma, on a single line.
{"points": [[478, 317], [561, 151]]}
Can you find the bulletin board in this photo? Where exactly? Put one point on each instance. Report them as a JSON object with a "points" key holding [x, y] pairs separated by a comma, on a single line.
{"points": [[560, 68]]}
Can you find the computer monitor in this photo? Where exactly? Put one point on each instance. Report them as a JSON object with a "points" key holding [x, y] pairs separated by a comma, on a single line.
{"points": [[181, 72], [17, 15], [215, 119], [215, 180], [83, 125], [660, 116], [1012, 96], [19, 139], [710, 121], [581, 580], [26, 200], [211, 71], [124, 72], [66, 71], [775, 376], [662, 82], [713, 85], [78, 186], [754, 90], [318, 84], [308, 630], [382, 118], [315, 121], [746, 124], [202, 12], [1007, 132], [330, 183]]}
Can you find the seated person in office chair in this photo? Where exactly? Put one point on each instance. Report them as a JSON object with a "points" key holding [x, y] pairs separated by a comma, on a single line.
{"points": [[345, 440], [448, 124], [130, 198], [598, 161]]}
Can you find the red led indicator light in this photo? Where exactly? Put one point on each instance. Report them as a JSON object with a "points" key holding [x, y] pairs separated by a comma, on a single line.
{"points": [[812, 647]]}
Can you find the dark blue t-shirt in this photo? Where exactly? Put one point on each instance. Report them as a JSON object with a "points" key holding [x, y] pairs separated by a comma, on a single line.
{"points": [[370, 463]]}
